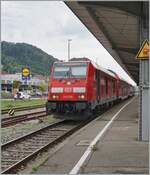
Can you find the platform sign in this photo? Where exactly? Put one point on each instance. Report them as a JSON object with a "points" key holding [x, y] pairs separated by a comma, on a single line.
{"points": [[143, 53], [25, 73]]}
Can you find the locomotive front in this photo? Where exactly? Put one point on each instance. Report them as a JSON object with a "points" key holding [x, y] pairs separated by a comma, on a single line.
{"points": [[67, 90]]}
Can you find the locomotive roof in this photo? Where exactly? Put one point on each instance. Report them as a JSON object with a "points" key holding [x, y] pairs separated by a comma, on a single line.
{"points": [[110, 72], [71, 62], [103, 69], [84, 61]]}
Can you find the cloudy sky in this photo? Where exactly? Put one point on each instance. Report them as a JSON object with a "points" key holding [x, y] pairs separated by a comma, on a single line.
{"points": [[48, 25]]}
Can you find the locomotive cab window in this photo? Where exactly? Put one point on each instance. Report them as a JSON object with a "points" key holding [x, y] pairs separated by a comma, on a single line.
{"points": [[70, 71]]}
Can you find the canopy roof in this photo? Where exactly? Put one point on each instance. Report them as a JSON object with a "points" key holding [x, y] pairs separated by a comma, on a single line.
{"points": [[116, 27]]}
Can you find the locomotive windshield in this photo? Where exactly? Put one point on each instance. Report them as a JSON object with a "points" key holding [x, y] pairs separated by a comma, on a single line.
{"points": [[70, 71]]}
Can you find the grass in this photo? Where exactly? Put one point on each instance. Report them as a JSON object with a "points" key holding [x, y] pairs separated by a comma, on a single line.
{"points": [[94, 148], [36, 166], [34, 169], [7, 104]]}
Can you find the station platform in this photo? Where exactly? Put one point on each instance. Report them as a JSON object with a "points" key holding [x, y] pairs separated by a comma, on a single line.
{"points": [[117, 150]]}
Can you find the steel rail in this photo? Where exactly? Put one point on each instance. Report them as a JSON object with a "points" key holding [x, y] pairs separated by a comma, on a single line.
{"points": [[37, 141], [5, 111], [7, 121]]}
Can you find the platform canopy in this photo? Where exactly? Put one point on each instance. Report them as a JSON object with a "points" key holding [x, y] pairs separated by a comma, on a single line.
{"points": [[116, 27]]}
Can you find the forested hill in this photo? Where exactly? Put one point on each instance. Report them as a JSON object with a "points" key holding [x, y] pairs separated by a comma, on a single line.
{"points": [[17, 55]]}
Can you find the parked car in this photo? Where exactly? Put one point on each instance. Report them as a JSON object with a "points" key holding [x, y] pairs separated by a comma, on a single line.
{"points": [[22, 95], [39, 94]]}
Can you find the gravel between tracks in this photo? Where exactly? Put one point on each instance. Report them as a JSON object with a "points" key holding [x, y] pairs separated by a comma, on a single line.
{"points": [[28, 146], [23, 128]]}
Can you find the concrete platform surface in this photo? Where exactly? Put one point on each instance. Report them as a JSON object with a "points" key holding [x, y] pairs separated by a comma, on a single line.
{"points": [[118, 151]]}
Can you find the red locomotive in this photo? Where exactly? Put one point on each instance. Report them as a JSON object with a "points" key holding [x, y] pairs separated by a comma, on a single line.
{"points": [[82, 86]]}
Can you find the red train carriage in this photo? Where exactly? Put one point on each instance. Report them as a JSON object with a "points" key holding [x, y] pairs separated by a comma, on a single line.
{"points": [[81, 86]]}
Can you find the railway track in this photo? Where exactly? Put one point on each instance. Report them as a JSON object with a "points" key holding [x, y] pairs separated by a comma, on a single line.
{"points": [[5, 111], [7, 121], [18, 152]]}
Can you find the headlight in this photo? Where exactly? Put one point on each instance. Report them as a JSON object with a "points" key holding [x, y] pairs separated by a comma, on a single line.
{"points": [[81, 96], [57, 90], [79, 89], [55, 97]]}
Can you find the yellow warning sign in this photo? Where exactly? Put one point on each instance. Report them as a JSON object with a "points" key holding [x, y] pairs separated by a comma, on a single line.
{"points": [[143, 53], [25, 72]]}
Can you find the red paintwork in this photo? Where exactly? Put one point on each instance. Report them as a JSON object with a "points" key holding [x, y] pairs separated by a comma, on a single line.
{"points": [[115, 87]]}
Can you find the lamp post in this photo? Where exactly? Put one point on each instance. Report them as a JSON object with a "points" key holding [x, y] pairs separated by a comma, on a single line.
{"points": [[69, 40]]}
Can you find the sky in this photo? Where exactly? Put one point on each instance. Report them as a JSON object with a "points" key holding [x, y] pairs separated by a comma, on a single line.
{"points": [[48, 25]]}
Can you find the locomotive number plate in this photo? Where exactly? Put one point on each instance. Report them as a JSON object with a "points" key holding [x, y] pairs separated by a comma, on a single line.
{"points": [[68, 90]]}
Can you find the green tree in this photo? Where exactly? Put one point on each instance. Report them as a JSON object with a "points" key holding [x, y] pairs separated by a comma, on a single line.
{"points": [[16, 84], [29, 87], [42, 87]]}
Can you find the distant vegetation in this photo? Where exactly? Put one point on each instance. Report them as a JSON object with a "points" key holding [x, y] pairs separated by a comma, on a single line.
{"points": [[17, 55]]}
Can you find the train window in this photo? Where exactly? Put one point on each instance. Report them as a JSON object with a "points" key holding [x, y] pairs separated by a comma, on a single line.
{"points": [[78, 71], [103, 87], [70, 71], [106, 86], [114, 87], [111, 85], [95, 75], [60, 72]]}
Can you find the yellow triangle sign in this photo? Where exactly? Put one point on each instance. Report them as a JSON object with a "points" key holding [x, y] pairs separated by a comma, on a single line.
{"points": [[143, 52]]}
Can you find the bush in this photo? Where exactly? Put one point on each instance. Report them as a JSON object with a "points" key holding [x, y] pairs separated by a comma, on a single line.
{"points": [[6, 94]]}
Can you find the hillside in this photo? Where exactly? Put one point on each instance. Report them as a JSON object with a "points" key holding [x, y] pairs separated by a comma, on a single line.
{"points": [[17, 55]]}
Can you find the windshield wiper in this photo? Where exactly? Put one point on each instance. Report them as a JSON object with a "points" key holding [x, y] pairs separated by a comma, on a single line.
{"points": [[67, 74]]}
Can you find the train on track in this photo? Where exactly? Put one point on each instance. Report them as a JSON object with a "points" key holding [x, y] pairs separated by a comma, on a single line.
{"points": [[81, 87]]}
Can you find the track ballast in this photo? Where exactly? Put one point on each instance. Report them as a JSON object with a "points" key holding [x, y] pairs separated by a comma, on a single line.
{"points": [[18, 152]]}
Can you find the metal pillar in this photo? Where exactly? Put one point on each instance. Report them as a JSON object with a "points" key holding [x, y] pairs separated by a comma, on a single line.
{"points": [[144, 104], [69, 40]]}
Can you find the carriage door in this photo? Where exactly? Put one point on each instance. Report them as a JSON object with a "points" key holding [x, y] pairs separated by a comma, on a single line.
{"points": [[98, 84]]}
